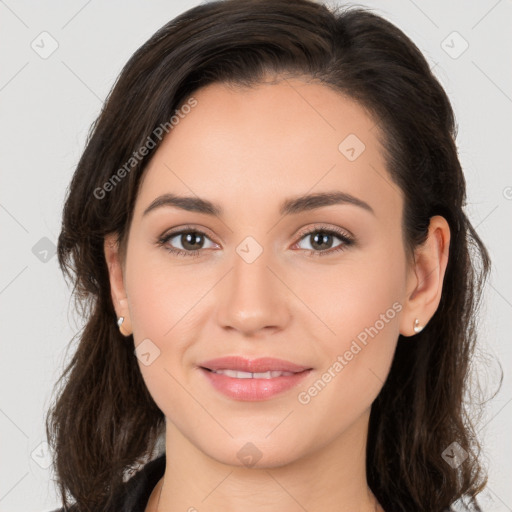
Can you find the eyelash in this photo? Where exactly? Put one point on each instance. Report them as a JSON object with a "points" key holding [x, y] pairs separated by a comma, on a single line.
{"points": [[346, 239]]}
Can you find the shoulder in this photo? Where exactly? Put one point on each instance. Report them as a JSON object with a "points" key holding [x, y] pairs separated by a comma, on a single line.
{"points": [[61, 509], [136, 491], [138, 488]]}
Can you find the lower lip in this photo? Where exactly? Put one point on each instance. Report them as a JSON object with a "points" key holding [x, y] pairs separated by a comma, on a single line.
{"points": [[253, 389]]}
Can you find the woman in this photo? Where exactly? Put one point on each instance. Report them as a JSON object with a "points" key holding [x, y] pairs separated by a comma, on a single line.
{"points": [[242, 141]]}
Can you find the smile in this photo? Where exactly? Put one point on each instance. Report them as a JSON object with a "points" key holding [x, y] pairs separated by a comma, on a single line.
{"points": [[247, 375], [248, 386]]}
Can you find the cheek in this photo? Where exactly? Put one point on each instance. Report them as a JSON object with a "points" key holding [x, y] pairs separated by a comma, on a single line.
{"points": [[362, 310], [354, 293], [361, 305], [165, 304], [162, 295], [161, 310]]}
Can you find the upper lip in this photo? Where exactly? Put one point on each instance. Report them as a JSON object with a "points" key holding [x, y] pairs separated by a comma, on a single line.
{"points": [[260, 365]]}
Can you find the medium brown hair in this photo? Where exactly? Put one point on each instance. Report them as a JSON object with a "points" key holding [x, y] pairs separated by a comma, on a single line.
{"points": [[104, 420]]}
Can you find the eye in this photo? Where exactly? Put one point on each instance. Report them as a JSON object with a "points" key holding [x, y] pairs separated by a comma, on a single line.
{"points": [[321, 240], [189, 240]]}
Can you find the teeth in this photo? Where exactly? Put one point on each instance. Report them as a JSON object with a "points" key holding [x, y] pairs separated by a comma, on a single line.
{"points": [[247, 375]]}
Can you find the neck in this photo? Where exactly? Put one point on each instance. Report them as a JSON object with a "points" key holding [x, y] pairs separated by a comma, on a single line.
{"points": [[332, 479]]}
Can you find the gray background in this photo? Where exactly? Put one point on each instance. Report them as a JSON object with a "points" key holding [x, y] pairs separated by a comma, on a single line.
{"points": [[47, 104]]}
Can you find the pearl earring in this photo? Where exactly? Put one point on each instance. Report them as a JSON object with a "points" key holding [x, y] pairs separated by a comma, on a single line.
{"points": [[417, 327], [123, 330]]}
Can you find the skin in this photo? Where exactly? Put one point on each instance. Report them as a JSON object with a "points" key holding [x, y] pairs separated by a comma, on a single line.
{"points": [[248, 150]]}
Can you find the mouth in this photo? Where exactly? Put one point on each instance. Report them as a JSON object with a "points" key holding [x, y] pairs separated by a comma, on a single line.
{"points": [[254, 366], [253, 380], [248, 375]]}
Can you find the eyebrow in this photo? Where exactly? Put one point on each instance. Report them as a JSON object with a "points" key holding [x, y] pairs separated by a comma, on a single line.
{"points": [[290, 206]]}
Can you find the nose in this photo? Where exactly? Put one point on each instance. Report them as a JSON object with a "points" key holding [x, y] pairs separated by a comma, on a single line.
{"points": [[253, 297]]}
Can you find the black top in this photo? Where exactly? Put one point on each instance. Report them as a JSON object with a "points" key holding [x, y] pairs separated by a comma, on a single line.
{"points": [[138, 488]]}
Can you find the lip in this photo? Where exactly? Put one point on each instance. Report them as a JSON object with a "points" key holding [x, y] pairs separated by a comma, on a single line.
{"points": [[253, 389], [262, 364]]}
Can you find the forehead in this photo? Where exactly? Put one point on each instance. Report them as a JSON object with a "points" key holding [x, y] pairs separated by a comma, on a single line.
{"points": [[244, 146]]}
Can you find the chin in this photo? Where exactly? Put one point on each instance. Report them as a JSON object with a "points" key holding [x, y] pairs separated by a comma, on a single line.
{"points": [[256, 452]]}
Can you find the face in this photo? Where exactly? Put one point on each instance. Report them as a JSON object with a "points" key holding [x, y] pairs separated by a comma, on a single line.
{"points": [[319, 284]]}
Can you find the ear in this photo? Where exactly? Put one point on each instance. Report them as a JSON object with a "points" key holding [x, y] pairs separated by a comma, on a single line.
{"points": [[425, 279], [117, 286]]}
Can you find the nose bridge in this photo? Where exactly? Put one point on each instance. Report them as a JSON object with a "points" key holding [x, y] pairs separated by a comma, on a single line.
{"points": [[252, 297], [250, 267]]}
